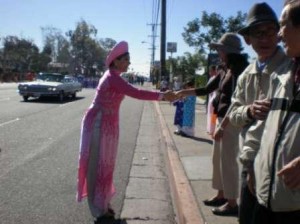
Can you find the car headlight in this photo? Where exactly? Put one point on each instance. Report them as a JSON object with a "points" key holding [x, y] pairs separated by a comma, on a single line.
{"points": [[52, 88]]}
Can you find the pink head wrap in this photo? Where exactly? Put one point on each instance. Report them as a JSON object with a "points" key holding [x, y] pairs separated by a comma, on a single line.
{"points": [[116, 51]]}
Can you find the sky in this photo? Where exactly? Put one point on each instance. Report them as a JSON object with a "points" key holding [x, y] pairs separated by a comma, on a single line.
{"points": [[117, 19]]}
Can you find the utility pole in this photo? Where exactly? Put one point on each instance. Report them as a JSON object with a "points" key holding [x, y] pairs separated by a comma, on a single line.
{"points": [[153, 48], [163, 40]]}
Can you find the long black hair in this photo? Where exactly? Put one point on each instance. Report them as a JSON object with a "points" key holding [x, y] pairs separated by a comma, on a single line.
{"points": [[237, 63]]}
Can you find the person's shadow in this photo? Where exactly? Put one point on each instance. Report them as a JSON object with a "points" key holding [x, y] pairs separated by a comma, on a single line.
{"points": [[194, 137], [202, 140], [110, 220]]}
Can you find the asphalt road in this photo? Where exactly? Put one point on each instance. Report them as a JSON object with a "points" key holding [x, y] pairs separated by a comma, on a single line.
{"points": [[38, 160]]}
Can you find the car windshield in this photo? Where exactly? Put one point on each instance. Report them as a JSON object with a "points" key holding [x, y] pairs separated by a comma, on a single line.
{"points": [[50, 77]]}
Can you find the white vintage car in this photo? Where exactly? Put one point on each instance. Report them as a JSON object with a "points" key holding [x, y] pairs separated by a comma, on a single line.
{"points": [[50, 84]]}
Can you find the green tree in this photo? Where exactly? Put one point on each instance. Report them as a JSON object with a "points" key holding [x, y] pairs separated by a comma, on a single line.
{"points": [[107, 43], [200, 32], [59, 45], [42, 60], [64, 54], [18, 54], [186, 66], [87, 54]]}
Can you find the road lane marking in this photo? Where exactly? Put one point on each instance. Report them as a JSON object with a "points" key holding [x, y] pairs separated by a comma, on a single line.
{"points": [[9, 122], [66, 104]]}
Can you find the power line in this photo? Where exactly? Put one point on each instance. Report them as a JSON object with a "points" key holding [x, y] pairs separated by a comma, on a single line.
{"points": [[154, 24]]}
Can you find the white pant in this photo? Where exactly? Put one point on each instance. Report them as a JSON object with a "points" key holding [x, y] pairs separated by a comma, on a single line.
{"points": [[225, 163]]}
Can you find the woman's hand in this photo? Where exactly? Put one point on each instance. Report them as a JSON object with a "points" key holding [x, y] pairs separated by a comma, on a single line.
{"points": [[180, 94], [169, 96], [185, 92]]}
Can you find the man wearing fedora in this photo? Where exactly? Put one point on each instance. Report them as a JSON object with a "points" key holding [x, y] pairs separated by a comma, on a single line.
{"points": [[277, 166], [250, 105]]}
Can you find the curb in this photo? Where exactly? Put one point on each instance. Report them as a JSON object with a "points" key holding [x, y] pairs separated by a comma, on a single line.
{"points": [[184, 201]]}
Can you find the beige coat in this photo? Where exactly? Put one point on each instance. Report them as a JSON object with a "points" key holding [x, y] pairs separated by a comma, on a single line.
{"points": [[252, 85], [279, 144]]}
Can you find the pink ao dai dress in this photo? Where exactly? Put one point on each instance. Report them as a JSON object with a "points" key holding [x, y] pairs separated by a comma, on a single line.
{"points": [[99, 140]]}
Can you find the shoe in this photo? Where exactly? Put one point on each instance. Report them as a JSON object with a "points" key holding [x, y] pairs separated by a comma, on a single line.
{"points": [[104, 219], [215, 202], [226, 210], [110, 212], [177, 132]]}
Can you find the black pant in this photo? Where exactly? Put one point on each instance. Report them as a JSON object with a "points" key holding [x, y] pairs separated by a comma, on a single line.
{"points": [[263, 215], [247, 201]]}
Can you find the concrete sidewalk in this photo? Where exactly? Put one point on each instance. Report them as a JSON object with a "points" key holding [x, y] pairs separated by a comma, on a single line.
{"points": [[190, 168]]}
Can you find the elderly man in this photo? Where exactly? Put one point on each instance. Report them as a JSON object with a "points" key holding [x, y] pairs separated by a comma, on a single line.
{"points": [[277, 166], [248, 102]]}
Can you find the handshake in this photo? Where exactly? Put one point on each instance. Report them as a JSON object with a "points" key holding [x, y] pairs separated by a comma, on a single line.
{"points": [[172, 96]]}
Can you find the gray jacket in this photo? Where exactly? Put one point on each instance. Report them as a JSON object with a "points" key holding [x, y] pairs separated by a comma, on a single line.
{"points": [[280, 144], [252, 85]]}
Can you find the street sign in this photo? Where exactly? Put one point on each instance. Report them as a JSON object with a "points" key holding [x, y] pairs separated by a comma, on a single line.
{"points": [[172, 47]]}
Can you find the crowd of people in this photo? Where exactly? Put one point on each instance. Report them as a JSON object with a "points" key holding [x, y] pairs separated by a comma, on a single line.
{"points": [[225, 166], [253, 118], [257, 109]]}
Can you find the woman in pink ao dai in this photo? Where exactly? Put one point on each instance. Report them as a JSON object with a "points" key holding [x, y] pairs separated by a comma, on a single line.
{"points": [[100, 132]]}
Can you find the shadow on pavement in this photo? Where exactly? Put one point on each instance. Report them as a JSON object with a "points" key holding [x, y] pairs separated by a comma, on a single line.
{"points": [[110, 220], [199, 139], [51, 100]]}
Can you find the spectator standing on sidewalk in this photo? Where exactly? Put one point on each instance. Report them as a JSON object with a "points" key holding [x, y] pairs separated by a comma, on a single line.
{"points": [[179, 108], [185, 113], [164, 84], [211, 116], [100, 132], [176, 84], [178, 115], [277, 165], [249, 104], [225, 150], [189, 106]]}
